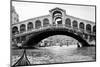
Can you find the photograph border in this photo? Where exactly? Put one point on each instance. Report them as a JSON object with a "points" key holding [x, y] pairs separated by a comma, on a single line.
{"points": [[59, 4]]}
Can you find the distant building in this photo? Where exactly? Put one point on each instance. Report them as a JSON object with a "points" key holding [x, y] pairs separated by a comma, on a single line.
{"points": [[14, 16]]}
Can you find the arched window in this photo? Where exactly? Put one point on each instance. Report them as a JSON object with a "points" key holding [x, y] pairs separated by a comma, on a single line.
{"points": [[81, 25], [22, 28], [30, 26], [88, 28], [68, 22], [56, 13], [94, 29], [15, 30], [37, 24], [58, 20], [45, 22], [75, 24]]}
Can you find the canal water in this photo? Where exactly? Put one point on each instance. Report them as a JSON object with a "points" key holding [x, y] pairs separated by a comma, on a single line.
{"points": [[55, 54]]}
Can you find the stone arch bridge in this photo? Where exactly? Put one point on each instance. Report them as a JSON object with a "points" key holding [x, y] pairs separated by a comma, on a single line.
{"points": [[57, 22]]}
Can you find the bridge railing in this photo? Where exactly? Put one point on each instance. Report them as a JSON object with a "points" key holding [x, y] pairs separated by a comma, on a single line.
{"points": [[53, 26]]}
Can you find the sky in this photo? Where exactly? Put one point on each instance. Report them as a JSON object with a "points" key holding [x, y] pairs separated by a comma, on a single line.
{"points": [[27, 10]]}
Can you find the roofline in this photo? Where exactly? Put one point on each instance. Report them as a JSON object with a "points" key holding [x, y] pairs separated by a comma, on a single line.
{"points": [[56, 8], [81, 19], [30, 19], [49, 15]]}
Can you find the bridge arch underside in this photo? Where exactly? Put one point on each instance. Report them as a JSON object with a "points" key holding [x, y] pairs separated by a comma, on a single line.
{"points": [[36, 37]]}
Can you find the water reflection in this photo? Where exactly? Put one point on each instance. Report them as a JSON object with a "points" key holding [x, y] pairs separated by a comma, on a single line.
{"points": [[63, 54], [57, 49], [57, 55]]}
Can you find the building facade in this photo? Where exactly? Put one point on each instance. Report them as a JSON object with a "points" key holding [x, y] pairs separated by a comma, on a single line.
{"points": [[14, 16]]}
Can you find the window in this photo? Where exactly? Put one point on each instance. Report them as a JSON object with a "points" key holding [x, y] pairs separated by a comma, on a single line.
{"points": [[45, 22], [57, 13], [68, 22], [94, 29], [37, 24], [81, 26], [75, 24], [88, 28], [30, 26], [22, 28], [15, 30]]}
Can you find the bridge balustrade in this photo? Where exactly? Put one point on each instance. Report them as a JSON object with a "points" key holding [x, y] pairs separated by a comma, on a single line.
{"points": [[15, 33], [70, 29], [81, 30]]}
